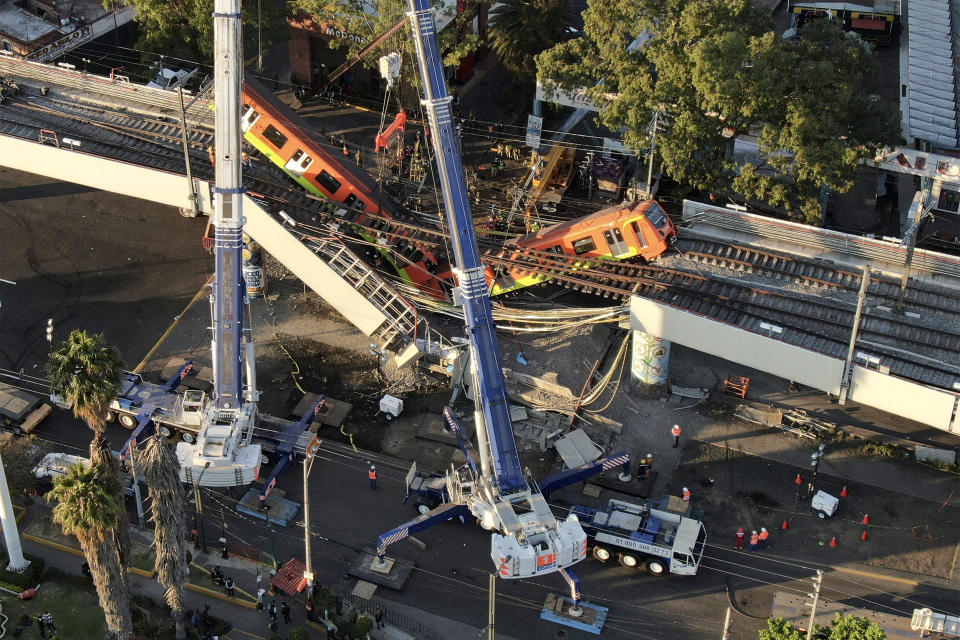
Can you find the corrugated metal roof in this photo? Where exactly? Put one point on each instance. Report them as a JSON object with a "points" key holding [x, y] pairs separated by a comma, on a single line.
{"points": [[930, 75]]}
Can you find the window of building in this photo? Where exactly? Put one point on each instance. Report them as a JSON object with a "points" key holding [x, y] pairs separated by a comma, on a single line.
{"points": [[949, 200]]}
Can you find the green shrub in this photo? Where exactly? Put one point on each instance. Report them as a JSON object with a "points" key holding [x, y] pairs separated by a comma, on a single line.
{"points": [[31, 576], [298, 633]]}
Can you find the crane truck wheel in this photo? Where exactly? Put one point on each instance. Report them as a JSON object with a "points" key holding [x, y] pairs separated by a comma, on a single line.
{"points": [[656, 567], [128, 421], [422, 507], [187, 437], [110, 416], [601, 554], [165, 431], [628, 560]]}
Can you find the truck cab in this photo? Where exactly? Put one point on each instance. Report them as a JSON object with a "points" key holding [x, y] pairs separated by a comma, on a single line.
{"points": [[661, 541]]}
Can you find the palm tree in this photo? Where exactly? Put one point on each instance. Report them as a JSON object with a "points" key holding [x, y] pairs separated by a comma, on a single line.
{"points": [[85, 370], [161, 471], [87, 507], [520, 29]]}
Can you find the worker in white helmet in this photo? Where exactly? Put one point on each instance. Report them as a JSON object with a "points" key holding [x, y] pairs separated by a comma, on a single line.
{"points": [[373, 477]]}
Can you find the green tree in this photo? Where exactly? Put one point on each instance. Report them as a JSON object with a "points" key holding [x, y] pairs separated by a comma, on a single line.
{"points": [[716, 69], [85, 370], [87, 507], [19, 457], [843, 628], [369, 19], [520, 29], [161, 471], [185, 28]]}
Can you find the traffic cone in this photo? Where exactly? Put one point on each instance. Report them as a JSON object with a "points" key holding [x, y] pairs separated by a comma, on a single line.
{"points": [[799, 480], [843, 494], [866, 518], [833, 541], [864, 536], [785, 525]]}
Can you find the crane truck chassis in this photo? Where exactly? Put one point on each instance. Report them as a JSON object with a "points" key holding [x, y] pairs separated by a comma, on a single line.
{"points": [[662, 541]]}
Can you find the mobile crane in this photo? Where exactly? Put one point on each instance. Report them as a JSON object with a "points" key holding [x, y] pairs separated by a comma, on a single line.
{"points": [[222, 453], [529, 540]]}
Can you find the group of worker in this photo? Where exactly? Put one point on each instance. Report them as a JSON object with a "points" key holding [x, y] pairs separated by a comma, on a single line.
{"points": [[758, 541]]}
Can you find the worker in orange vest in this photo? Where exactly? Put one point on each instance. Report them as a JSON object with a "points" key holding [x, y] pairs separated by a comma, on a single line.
{"points": [[675, 432], [686, 494], [738, 539], [754, 541], [373, 477], [212, 154], [764, 534]]}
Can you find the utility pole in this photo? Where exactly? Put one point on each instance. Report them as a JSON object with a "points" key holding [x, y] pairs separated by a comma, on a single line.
{"points": [[848, 366], [653, 148], [191, 189], [9, 522], [726, 626], [491, 605], [920, 214], [311, 454], [198, 510], [259, 40], [136, 485], [813, 606]]}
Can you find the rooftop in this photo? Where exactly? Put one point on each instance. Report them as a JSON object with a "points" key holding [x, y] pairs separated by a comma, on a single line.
{"points": [[22, 25]]}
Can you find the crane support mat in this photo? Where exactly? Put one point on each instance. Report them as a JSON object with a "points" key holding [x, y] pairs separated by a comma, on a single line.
{"points": [[637, 487], [282, 511], [431, 427], [556, 608], [395, 579], [200, 378], [332, 414]]}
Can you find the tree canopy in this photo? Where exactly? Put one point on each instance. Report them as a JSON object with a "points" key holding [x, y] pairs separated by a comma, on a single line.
{"points": [[520, 29], [843, 628], [185, 28], [86, 370], [716, 69], [371, 18]]}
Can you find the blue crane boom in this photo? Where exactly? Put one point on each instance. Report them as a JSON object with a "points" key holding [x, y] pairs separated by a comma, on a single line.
{"points": [[481, 330], [528, 539]]}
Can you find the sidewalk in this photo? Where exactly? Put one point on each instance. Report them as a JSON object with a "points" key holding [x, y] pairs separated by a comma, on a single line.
{"points": [[246, 622]]}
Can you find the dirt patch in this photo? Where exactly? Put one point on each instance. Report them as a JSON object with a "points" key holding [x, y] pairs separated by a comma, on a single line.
{"points": [[734, 489]]}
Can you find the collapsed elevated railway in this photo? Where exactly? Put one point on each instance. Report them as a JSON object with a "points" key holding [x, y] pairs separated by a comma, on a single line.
{"points": [[811, 301]]}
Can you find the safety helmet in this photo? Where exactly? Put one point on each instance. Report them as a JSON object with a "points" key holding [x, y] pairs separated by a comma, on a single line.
{"points": [[740, 530], [372, 467], [763, 528], [643, 461], [685, 489], [753, 532], [649, 455]]}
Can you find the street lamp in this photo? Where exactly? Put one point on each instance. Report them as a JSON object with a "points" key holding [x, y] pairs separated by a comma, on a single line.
{"points": [[815, 463], [311, 454]]}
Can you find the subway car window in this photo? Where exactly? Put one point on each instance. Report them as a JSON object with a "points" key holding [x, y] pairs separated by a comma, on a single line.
{"points": [[328, 182], [637, 230], [273, 135], [583, 245]]}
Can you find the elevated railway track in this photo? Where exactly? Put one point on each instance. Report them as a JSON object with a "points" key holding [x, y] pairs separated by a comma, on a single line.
{"points": [[812, 301]]}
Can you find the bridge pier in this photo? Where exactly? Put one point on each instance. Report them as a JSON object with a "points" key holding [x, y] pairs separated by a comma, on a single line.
{"points": [[649, 359]]}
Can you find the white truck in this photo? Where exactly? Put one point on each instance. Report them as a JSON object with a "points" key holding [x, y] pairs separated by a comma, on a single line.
{"points": [[20, 411], [661, 541]]}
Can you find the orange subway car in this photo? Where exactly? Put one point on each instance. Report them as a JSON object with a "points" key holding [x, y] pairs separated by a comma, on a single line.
{"points": [[636, 230]]}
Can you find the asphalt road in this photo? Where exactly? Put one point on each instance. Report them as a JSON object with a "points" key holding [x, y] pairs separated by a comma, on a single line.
{"points": [[126, 268]]}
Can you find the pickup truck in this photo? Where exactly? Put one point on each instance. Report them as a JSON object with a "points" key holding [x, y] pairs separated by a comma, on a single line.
{"points": [[54, 465], [20, 411]]}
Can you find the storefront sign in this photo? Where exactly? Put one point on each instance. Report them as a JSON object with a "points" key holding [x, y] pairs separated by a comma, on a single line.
{"points": [[577, 99], [333, 32]]}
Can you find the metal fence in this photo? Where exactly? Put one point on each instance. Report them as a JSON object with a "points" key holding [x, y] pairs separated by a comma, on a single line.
{"points": [[402, 621]]}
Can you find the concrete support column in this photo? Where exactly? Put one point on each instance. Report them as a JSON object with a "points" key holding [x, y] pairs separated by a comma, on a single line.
{"points": [[9, 522], [650, 359]]}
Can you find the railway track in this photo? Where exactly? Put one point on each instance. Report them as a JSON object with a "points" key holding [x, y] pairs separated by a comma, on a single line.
{"points": [[818, 318]]}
